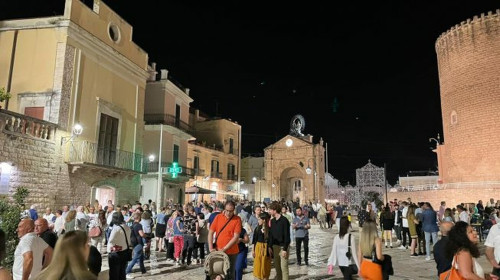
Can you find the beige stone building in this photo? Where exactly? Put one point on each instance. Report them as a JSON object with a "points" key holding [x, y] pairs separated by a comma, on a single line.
{"points": [[167, 130], [295, 168], [214, 157], [81, 67], [252, 177]]}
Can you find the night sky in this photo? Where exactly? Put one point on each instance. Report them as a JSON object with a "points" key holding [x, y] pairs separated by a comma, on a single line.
{"points": [[363, 75]]}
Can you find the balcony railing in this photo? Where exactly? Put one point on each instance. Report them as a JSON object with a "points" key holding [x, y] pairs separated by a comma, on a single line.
{"points": [[153, 167], [168, 120], [216, 174], [232, 177], [88, 152], [27, 126]]}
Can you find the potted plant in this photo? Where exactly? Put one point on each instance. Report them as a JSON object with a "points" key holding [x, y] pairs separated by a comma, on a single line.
{"points": [[4, 95]]}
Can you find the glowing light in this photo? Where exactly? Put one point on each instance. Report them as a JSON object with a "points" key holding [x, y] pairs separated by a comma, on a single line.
{"points": [[289, 142]]}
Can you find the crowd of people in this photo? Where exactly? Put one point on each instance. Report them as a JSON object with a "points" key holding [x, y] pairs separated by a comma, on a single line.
{"points": [[199, 233]]}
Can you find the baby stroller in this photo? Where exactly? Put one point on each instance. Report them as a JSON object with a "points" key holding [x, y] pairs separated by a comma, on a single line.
{"points": [[216, 265]]}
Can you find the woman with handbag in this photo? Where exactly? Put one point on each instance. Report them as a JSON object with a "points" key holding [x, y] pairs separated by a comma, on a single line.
{"points": [[119, 251], [96, 232], [462, 247], [370, 252], [344, 252]]}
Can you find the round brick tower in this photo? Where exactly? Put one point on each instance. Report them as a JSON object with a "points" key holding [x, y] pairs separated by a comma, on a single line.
{"points": [[469, 75]]}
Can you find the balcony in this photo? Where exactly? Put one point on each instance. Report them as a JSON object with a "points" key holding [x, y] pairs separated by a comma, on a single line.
{"points": [[112, 162], [167, 119], [20, 125], [232, 177], [215, 174], [152, 167]]}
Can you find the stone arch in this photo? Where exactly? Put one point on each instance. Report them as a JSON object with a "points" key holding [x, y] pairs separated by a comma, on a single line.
{"points": [[103, 191], [289, 180]]}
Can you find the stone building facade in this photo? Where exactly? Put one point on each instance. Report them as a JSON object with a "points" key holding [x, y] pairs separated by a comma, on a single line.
{"points": [[214, 157], [81, 67], [295, 168]]}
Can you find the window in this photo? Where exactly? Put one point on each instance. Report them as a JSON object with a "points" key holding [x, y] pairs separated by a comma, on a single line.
{"points": [[34, 112], [231, 145], [177, 115], [175, 156], [230, 171], [196, 163], [108, 137], [215, 168], [297, 186], [454, 118]]}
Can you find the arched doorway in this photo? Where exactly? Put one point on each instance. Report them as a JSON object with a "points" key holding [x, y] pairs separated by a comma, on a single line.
{"points": [[292, 184], [105, 193]]}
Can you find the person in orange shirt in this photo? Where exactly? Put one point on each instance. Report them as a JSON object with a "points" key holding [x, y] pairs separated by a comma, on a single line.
{"points": [[227, 229]]}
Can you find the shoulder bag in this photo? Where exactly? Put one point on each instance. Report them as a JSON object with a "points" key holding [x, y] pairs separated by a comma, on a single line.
{"points": [[352, 267], [127, 253], [217, 235], [452, 273], [95, 231]]}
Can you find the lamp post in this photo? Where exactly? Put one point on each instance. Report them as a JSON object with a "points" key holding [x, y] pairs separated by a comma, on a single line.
{"points": [[309, 171], [160, 177]]}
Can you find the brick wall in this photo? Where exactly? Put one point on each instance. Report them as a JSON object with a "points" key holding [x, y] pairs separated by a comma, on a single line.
{"points": [[469, 74]]}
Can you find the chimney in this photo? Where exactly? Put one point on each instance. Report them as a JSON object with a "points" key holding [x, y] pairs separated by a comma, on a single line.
{"points": [[164, 74], [187, 91]]}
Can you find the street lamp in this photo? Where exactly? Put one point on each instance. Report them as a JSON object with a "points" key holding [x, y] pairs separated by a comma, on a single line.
{"points": [[436, 140], [309, 171], [75, 132], [151, 158]]}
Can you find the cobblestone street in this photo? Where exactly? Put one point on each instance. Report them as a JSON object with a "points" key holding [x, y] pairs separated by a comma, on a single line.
{"points": [[405, 267]]}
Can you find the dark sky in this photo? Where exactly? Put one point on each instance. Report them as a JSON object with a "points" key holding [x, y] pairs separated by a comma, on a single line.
{"points": [[260, 64]]}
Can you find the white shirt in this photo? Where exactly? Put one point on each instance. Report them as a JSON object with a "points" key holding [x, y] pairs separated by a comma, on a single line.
{"points": [[29, 242], [59, 224], [116, 237], [464, 216], [110, 217], [403, 214], [493, 241], [83, 220], [49, 218], [339, 249]]}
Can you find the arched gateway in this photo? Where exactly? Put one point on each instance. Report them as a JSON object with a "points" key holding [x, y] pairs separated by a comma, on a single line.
{"points": [[295, 167]]}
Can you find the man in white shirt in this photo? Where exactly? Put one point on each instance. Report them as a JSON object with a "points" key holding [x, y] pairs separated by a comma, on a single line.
{"points": [[32, 253], [462, 214], [65, 211], [50, 217], [82, 218], [492, 244], [406, 231]]}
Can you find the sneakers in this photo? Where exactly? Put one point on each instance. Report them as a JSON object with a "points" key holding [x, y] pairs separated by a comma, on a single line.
{"points": [[428, 258], [414, 255], [129, 276], [402, 247]]}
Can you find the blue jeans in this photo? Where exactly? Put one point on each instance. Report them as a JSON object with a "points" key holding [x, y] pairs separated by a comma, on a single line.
{"points": [[137, 256], [428, 241], [241, 264]]}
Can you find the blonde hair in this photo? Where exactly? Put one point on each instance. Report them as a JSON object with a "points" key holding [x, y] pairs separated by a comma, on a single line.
{"points": [[367, 237], [68, 261], [71, 216]]}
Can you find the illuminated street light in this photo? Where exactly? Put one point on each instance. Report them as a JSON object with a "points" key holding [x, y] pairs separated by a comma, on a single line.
{"points": [[151, 158]]}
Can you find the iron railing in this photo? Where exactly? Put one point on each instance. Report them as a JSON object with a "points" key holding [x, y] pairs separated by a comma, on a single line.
{"points": [[88, 152], [214, 174], [232, 177], [167, 119]]}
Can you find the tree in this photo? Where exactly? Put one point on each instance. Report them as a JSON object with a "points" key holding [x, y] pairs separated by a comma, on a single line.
{"points": [[10, 214]]}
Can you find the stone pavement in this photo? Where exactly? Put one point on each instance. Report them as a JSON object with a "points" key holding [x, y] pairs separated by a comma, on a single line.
{"points": [[320, 244]]}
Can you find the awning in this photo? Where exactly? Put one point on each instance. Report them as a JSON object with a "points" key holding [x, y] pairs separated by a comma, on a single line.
{"points": [[198, 190]]}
